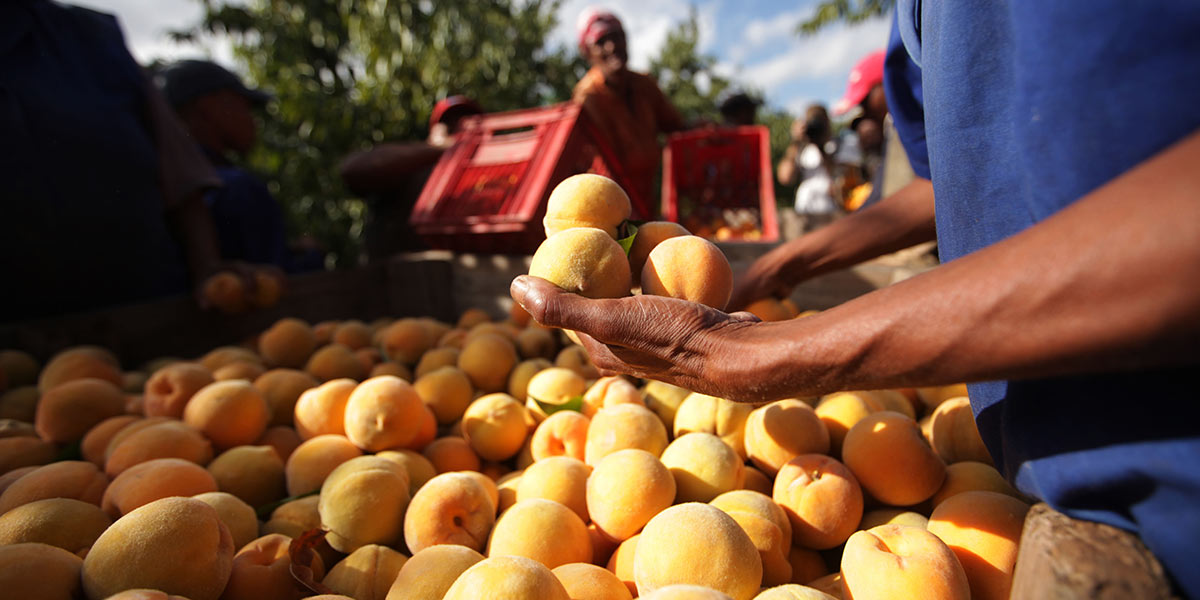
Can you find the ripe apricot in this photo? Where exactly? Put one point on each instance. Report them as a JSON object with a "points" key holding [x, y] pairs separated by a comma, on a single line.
{"points": [[983, 529], [294, 518], [35, 570], [419, 468], [709, 414], [436, 358], [451, 508], [79, 362], [892, 460], [152, 480], [451, 454], [793, 591], [335, 361], [367, 574], [697, 544], [169, 388], [649, 235], [897, 561], [586, 200], [383, 412], [239, 370], [563, 433], [405, 340], [494, 425], [769, 309], [95, 444], [664, 399], [431, 571], [170, 439], [252, 473], [20, 367], [281, 388], [589, 582], [781, 431], [535, 342], [66, 412], [262, 569], [230, 413], [313, 460], [967, 476], [75, 479], [322, 410], [522, 374], [226, 292], [703, 467], [558, 478], [447, 391], [66, 523], [238, 516], [487, 360], [841, 411], [543, 530], [18, 452], [624, 426], [954, 433], [20, 403], [288, 343], [363, 502], [584, 261], [689, 268], [282, 439], [626, 489], [822, 499], [575, 358], [610, 391]]}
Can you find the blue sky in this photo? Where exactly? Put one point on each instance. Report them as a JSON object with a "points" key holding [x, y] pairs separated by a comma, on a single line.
{"points": [[753, 40]]}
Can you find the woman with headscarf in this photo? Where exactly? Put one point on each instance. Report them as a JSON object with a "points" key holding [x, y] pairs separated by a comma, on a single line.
{"points": [[628, 108]]}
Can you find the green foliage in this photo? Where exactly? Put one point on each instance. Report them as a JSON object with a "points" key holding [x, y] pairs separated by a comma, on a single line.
{"points": [[829, 12], [680, 69], [347, 74]]}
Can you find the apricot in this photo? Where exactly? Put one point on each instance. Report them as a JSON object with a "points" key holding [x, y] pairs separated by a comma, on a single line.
{"points": [[967, 476], [589, 582], [169, 388], [507, 578], [586, 200], [584, 261], [435, 359], [313, 461], [34, 570], [954, 433], [487, 360], [170, 439], [558, 478], [144, 594], [20, 367], [431, 571], [781, 431], [75, 479], [708, 414], [393, 368], [793, 591], [494, 426], [230, 413], [239, 370], [281, 388], [523, 531], [335, 361], [218, 357], [892, 516], [363, 502], [294, 518], [451, 508], [238, 516], [575, 358], [772, 546], [983, 529], [756, 481], [703, 467], [18, 452], [66, 412], [822, 499], [252, 473], [446, 391], [894, 401], [152, 480], [755, 503], [522, 374], [383, 412], [610, 391], [624, 426], [177, 545], [405, 340], [262, 569], [80, 362], [288, 343], [664, 399], [769, 309], [831, 584], [697, 544], [20, 403], [689, 268], [649, 236], [72, 525], [841, 411], [282, 439], [367, 574], [807, 565], [322, 410], [932, 397], [226, 292], [94, 445], [896, 561], [627, 488], [535, 342], [892, 460], [563, 433], [553, 386], [418, 467], [506, 490], [451, 454], [353, 334], [426, 430]]}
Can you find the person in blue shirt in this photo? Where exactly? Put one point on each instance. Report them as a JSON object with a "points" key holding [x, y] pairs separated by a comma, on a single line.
{"points": [[1058, 146]]}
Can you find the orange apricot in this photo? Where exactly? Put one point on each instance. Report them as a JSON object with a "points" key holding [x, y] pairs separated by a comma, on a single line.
{"points": [[230, 413]]}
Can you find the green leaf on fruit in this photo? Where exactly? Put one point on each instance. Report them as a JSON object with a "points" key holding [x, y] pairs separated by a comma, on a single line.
{"points": [[574, 403], [630, 233]]}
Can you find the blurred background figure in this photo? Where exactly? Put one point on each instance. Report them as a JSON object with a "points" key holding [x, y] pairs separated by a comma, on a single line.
{"points": [[390, 177], [103, 188], [738, 108], [217, 110], [628, 108], [808, 162]]}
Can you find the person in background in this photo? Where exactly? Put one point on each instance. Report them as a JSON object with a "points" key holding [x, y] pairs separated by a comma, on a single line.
{"points": [[391, 176], [103, 187], [628, 108], [809, 162], [217, 110], [738, 108]]}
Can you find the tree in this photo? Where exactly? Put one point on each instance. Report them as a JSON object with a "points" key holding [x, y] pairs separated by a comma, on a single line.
{"points": [[350, 73], [686, 76], [829, 12]]}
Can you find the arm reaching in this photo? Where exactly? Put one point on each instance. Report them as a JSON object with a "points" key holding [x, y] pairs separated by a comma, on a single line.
{"points": [[1048, 301], [387, 166], [901, 220]]}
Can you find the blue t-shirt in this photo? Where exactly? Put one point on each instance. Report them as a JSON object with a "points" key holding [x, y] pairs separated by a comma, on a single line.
{"points": [[1025, 107], [248, 221], [83, 220]]}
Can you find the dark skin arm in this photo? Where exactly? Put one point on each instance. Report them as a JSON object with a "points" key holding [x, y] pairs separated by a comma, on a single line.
{"points": [[387, 166], [1103, 285], [901, 220]]}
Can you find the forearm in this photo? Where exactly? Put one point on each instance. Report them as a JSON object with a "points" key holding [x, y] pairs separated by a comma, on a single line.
{"points": [[902, 220], [387, 166], [1108, 283], [786, 171]]}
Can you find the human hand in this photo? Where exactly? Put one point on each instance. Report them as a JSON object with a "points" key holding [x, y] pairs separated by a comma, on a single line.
{"points": [[652, 337], [773, 274]]}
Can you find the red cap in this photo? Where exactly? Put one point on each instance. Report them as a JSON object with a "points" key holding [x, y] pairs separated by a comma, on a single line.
{"points": [[595, 23], [445, 104], [865, 75]]}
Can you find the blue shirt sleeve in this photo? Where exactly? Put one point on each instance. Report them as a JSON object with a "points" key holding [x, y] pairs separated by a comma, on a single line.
{"points": [[902, 84]]}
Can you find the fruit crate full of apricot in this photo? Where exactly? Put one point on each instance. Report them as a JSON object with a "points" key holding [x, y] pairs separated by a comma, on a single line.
{"points": [[488, 192], [718, 184]]}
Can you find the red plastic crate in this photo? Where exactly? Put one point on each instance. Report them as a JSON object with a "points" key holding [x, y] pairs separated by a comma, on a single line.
{"points": [[721, 177], [488, 192]]}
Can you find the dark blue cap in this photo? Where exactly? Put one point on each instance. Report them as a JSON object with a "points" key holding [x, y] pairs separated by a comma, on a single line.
{"points": [[187, 80]]}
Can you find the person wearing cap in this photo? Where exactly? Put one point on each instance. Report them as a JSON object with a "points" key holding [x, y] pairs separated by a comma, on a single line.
{"points": [[1070, 240], [628, 108], [217, 110], [102, 186], [390, 177]]}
